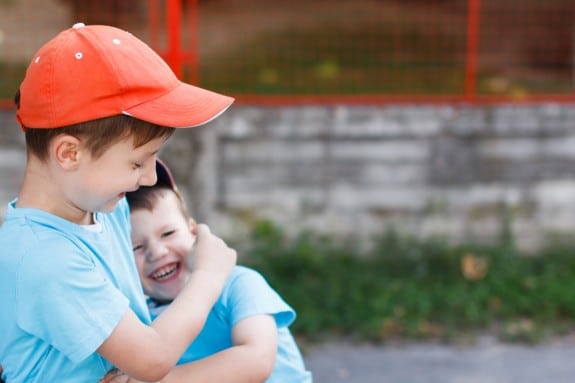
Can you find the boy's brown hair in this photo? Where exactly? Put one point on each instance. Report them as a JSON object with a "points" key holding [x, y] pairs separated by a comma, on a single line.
{"points": [[97, 135]]}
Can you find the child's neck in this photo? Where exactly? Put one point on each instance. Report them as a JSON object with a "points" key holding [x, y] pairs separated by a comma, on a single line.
{"points": [[39, 191]]}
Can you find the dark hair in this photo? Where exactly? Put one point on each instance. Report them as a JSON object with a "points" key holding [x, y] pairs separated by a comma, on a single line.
{"points": [[147, 196], [97, 135]]}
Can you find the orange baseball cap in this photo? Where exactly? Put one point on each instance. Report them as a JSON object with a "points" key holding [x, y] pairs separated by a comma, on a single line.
{"points": [[90, 72]]}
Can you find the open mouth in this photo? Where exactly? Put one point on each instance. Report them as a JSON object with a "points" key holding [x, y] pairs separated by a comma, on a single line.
{"points": [[165, 272]]}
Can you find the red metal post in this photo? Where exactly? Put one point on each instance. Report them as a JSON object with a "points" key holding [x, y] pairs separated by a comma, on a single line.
{"points": [[472, 48], [154, 24], [192, 48], [174, 22]]}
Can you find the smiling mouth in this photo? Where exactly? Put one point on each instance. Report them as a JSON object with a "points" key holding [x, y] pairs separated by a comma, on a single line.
{"points": [[165, 272]]}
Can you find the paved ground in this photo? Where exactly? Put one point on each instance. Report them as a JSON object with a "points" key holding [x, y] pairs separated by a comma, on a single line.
{"points": [[486, 362]]}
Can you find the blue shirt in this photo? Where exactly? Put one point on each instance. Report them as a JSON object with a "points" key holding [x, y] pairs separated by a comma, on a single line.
{"points": [[246, 293], [63, 289]]}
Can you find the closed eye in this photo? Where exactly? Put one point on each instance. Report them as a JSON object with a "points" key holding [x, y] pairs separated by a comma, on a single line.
{"points": [[168, 233]]}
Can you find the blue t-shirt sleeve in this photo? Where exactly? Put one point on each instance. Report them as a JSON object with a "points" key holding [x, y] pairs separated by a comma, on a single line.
{"points": [[123, 209], [249, 294], [65, 300]]}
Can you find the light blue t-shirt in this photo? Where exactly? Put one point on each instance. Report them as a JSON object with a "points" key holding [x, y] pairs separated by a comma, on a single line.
{"points": [[63, 289], [246, 293]]}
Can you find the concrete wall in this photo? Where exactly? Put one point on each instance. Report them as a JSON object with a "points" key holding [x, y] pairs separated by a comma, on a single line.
{"points": [[458, 171]]}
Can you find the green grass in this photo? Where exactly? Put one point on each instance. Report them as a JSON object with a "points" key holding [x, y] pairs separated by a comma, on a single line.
{"points": [[416, 289]]}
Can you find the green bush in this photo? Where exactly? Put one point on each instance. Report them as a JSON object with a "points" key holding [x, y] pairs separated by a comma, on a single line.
{"points": [[414, 289]]}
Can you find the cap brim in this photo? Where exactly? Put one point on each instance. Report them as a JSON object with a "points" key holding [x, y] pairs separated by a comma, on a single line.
{"points": [[164, 175], [185, 106]]}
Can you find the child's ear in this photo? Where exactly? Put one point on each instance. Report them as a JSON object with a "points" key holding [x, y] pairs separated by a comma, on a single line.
{"points": [[66, 151]]}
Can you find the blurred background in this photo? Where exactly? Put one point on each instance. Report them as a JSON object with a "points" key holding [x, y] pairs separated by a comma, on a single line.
{"points": [[396, 168]]}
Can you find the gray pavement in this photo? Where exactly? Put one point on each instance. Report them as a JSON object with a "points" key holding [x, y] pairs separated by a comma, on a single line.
{"points": [[487, 361]]}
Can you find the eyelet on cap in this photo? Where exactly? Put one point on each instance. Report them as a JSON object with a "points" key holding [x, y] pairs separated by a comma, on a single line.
{"points": [[78, 25]]}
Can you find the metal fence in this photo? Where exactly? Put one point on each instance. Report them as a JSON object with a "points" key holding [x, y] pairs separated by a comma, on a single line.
{"points": [[352, 51]]}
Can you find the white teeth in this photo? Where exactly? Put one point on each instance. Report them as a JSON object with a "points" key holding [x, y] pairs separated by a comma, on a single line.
{"points": [[164, 272]]}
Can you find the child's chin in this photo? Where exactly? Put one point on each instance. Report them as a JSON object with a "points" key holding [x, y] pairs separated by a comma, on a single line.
{"points": [[108, 208]]}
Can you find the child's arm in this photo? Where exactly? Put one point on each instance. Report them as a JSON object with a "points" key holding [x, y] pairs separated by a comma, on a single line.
{"points": [[149, 352], [250, 359]]}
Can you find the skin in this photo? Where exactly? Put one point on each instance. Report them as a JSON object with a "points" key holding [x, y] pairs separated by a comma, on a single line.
{"points": [[74, 184], [162, 239]]}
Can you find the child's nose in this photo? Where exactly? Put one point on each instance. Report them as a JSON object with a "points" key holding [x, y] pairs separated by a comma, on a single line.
{"points": [[149, 176], [156, 251]]}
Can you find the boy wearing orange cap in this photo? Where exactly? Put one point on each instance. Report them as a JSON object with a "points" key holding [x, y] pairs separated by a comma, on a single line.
{"points": [[96, 106]]}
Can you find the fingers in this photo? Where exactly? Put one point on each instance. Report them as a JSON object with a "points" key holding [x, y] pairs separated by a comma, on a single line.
{"points": [[211, 253], [202, 229], [116, 379], [115, 376]]}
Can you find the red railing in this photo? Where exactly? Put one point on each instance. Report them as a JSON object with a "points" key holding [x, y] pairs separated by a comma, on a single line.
{"points": [[179, 57], [471, 49], [480, 67]]}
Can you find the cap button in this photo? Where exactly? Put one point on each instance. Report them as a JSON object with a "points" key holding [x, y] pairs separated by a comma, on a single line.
{"points": [[78, 25]]}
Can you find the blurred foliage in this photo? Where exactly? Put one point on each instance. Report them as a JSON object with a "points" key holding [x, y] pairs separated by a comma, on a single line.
{"points": [[331, 58], [11, 75], [416, 289]]}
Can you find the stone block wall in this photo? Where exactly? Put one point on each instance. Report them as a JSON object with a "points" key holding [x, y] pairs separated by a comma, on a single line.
{"points": [[459, 171]]}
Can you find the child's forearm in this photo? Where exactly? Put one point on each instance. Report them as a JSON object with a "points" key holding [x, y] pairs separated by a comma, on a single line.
{"points": [[233, 365], [251, 359], [239, 364]]}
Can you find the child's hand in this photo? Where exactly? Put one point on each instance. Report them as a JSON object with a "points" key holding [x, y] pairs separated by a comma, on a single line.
{"points": [[211, 254], [117, 376]]}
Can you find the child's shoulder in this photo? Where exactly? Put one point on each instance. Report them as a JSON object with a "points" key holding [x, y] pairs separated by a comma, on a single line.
{"points": [[244, 276], [241, 270]]}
